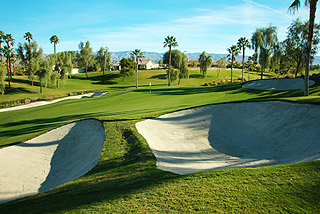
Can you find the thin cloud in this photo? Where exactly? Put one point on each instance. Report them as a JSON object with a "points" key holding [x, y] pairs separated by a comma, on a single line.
{"points": [[269, 8]]}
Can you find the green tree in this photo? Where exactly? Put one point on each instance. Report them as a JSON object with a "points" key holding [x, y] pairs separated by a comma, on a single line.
{"points": [[128, 67], [205, 63], [178, 61], [43, 73], [264, 40], [193, 64], [243, 43], [233, 52], [62, 68], [104, 59], [55, 40], [28, 36], [296, 42], [170, 42], [183, 68], [221, 63], [31, 57], [1, 41], [8, 53], [85, 58], [312, 4], [137, 55], [160, 62]]}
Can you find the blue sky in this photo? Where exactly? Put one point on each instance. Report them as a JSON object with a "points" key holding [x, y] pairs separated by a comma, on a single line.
{"points": [[198, 25]]}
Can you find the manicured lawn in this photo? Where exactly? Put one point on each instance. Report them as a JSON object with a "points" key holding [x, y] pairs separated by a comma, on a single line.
{"points": [[22, 90]]}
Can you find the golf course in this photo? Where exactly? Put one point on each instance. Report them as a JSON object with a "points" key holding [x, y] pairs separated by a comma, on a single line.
{"points": [[273, 167]]}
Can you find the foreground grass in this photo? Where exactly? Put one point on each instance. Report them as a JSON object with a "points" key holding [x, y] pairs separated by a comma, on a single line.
{"points": [[126, 181]]}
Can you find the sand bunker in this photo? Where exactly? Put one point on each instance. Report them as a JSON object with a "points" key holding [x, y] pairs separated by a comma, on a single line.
{"points": [[277, 84], [234, 135], [42, 103], [50, 160]]}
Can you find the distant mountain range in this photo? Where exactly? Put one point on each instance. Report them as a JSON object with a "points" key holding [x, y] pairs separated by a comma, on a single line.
{"points": [[154, 56]]}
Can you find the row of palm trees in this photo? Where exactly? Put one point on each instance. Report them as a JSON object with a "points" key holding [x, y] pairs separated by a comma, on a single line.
{"points": [[7, 50]]}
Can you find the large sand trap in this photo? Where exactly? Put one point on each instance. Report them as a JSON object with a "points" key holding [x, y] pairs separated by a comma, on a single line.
{"points": [[234, 135], [42, 103], [277, 84], [50, 160]]}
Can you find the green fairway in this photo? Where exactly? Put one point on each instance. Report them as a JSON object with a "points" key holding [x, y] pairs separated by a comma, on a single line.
{"points": [[22, 90], [126, 178]]}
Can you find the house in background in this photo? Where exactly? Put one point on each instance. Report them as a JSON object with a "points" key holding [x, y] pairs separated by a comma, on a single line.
{"points": [[116, 66], [147, 65]]}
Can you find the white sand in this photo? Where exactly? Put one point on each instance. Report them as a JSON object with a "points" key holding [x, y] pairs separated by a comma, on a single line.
{"points": [[50, 160], [234, 135], [41, 103], [277, 84]]}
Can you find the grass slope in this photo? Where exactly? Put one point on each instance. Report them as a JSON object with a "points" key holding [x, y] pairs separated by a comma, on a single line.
{"points": [[126, 181]]}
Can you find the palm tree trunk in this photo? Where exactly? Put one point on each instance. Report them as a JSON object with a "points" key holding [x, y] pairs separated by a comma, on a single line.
{"points": [[40, 85], [231, 68], [1, 53], [55, 48], [313, 8], [169, 73], [243, 53], [137, 73], [8, 69], [86, 70], [297, 68]]}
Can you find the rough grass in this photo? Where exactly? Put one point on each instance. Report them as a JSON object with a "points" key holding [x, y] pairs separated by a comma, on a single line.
{"points": [[126, 181]]}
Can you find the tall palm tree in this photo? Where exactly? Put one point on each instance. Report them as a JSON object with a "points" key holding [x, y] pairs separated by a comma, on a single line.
{"points": [[312, 14], [233, 52], [1, 41], [28, 36], [54, 39], [170, 42], [8, 52], [137, 55], [243, 43]]}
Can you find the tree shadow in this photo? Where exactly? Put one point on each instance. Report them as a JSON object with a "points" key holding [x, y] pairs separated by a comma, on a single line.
{"points": [[18, 90], [196, 76], [159, 76], [107, 79], [27, 82]]}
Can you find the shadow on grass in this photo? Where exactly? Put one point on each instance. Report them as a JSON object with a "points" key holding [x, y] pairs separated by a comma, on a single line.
{"points": [[159, 76], [196, 76], [107, 79], [27, 82], [18, 90]]}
